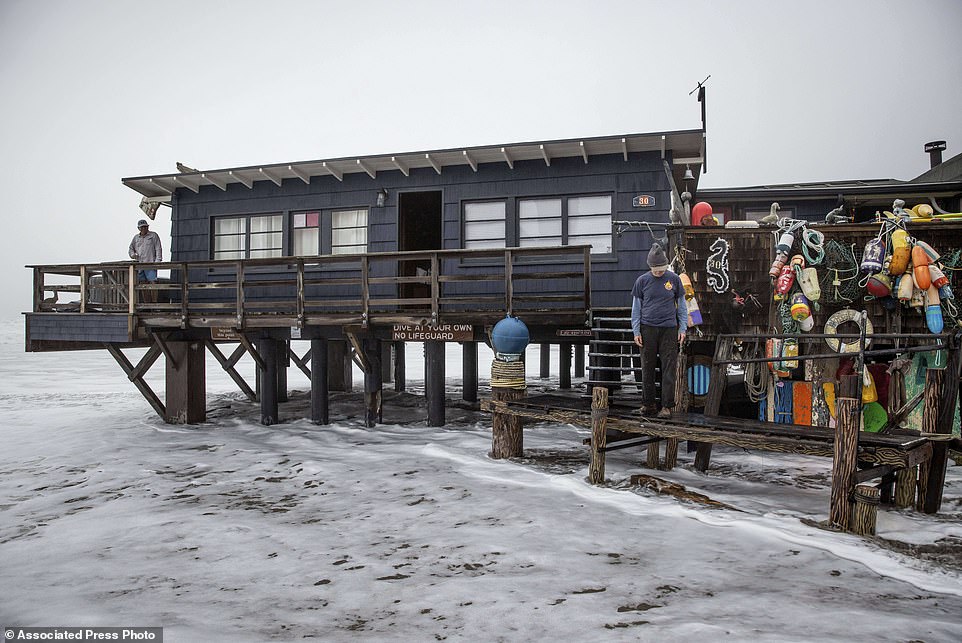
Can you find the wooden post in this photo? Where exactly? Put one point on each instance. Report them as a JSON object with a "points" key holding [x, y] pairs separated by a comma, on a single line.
{"points": [[948, 395], [507, 385], [372, 383], [469, 372], [717, 384], [599, 434], [905, 481], [545, 361], [267, 347], [564, 365], [865, 511], [654, 452], [320, 396], [579, 360], [845, 456], [283, 361], [186, 383], [434, 382], [340, 375], [400, 373]]}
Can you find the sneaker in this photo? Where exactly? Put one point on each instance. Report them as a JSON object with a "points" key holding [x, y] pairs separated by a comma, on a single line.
{"points": [[664, 413]]}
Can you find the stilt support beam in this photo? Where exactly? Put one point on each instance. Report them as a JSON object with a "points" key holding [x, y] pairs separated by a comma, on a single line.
{"points": [[469, 372], [267, 347], [186, 382], [320, 396], [434, 382]]}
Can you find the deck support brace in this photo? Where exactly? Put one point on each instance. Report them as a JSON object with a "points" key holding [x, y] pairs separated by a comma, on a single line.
{"points": [[136, 374], [228, 364], [320, 398]]}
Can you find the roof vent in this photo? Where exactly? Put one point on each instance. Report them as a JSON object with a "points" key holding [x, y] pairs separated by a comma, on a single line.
{"points": [[934, 150]]}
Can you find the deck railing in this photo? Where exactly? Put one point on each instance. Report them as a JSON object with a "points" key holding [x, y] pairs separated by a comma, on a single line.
{"points": [[330, 289]]}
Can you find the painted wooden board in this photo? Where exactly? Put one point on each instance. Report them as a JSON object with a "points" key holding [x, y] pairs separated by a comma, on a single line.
{"points": [[802, 403]]}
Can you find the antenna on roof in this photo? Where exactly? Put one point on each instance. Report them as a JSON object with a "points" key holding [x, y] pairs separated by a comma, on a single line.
{"points": [[701, 99]]}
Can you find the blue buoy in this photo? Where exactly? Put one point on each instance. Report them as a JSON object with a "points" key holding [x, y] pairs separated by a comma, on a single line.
{"points": [[510, 336]]}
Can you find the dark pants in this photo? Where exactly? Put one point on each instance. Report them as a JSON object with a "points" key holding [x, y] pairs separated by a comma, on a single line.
{"points": [[659, 342]]}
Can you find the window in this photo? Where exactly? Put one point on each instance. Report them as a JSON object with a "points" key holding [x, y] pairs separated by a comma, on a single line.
{"points": [[348, 232], [589, 222], [484, 225], [539, 223], [569, 221], [307, 234], [249, 236]]}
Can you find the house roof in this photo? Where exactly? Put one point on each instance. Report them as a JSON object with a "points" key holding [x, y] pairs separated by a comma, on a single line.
{"points": [[950, 170], [687, 146], [863, 188], [943, 180]]}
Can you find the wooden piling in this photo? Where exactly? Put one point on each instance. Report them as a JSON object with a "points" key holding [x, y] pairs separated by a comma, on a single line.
{"points": [[186, 376], [579, 360], [564, 365], [400, 370], [320, 395], [654, 452], [283, 362], [340, 375], [373, 408], [545, 361], [845, 456], [865, 511], [905, 481], [434, 382], [507, 385], [267, 347], [599, 435], [943, 385], [469, 372]]}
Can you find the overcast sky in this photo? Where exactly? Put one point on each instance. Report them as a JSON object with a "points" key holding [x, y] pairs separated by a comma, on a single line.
{"points": [[93, 91]]}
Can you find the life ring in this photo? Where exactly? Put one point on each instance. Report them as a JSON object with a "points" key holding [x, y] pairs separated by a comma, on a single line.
{"points": [[839, 318]]}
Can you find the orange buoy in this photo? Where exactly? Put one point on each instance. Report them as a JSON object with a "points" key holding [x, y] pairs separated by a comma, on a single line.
{"points": [[920, 261]]}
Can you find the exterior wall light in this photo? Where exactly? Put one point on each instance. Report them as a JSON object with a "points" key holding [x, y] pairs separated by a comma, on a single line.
{"points": [[381, 197]]}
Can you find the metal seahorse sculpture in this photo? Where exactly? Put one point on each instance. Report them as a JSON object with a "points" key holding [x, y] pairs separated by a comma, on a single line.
{"points": [[717, 266]]}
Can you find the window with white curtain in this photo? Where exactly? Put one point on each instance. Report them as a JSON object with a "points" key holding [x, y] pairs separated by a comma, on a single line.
{"points": [[248, 236], [306, 232], [484, 225], [348, 232]]}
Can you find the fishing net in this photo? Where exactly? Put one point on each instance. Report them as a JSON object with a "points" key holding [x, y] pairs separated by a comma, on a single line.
{"points": [[840, 272]]}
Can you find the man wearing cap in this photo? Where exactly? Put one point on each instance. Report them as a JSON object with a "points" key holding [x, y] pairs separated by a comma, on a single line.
{"points": [[659, 320], [145, 247]]}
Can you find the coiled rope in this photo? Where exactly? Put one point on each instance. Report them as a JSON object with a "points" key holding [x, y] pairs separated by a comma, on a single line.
{"points": [[508, 375]]}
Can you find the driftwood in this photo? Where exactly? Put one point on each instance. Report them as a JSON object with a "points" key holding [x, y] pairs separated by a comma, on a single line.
{"points": [[677, 490]]}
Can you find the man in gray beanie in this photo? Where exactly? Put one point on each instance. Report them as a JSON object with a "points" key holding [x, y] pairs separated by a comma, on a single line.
{"points": [[659, 320]]}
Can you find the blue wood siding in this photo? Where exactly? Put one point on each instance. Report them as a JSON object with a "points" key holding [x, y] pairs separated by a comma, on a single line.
{"points": [[69, 327], [612, 276]]}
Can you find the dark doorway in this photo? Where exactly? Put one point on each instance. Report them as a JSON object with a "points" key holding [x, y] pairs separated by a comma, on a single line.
{"points": [[419, 228]]}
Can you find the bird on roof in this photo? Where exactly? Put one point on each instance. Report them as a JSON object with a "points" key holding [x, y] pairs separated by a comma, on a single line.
{"points": [[837, 215], [185, 168], [772, 216]]}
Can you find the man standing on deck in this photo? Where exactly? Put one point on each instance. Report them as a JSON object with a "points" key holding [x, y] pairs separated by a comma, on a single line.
{"points": [[145, 247], [659, 319]]}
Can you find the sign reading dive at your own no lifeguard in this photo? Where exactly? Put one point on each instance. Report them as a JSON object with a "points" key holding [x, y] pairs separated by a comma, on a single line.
{"points": [[429, 333]]}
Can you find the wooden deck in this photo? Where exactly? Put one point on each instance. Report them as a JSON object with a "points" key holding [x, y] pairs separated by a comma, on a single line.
{"points": [[548, 287]]}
